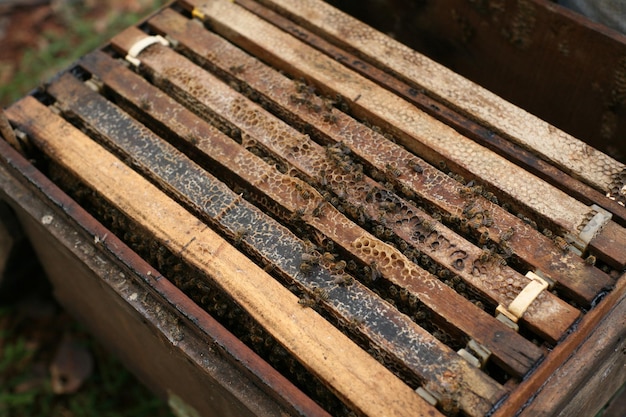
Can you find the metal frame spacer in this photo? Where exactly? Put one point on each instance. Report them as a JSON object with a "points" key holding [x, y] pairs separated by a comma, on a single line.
{"points": [[142, 44], [524, 299]]}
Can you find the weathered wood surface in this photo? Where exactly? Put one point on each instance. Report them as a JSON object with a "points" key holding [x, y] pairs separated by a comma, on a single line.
{"points": [[356, 376], [329, 222], [431, 185], [441, 111], [417, 131], [457, 92], [549, 316], [118, 78], [525, 53], [578, 362], [108, 276], [392, 333]]}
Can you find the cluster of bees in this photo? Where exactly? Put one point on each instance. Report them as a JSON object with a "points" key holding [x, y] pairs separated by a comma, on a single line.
{"points": [[311, 257], [306, 96]]}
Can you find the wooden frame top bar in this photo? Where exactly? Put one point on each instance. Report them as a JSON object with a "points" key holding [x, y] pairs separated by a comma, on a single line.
{"points": [[472, 100]]}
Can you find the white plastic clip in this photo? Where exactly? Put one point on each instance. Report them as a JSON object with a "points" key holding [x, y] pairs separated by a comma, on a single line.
{"points": [[142, 44], [524, 299]]}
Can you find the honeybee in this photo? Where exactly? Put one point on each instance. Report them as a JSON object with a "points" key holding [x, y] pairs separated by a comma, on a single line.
{"points": [[483, 238], [477, 190], [404, 295], [314, 107], [378, 230], [465, 192], [507, 235], [393, 291], [507, 251], [305, 193], [394, 171], [311, 258], [419, 315], [428, 226], [330, 118], [297, 99], [306, 301], [328, 257], [374, 271], [561, 243], [351, 266], [339, 266], [471, 209], [590, 260], [237, 69], [306, 267], [297, 215], [484, 256], [415, 166], [354, 324], [371, 193], [388, 205], [487, 219], [320, 294], [498, 260], [317, 211], [240, 234], [342, 280], [145, 104]]}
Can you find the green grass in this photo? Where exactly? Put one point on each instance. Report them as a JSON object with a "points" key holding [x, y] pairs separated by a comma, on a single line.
{"points": [[26, 348], [27, 345], [63, 48]]}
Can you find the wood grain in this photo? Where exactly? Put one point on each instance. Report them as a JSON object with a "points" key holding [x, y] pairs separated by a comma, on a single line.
{"points": [[468, 98], [333, 357], [392, 333]]}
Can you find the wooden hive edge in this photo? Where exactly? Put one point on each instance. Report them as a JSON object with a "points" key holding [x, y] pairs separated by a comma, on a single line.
{"points": [[55, 224]]}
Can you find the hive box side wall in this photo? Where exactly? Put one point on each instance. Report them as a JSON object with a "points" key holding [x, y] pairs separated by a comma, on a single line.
{"points": [[129, 320], [542, 57], [593, 373]]}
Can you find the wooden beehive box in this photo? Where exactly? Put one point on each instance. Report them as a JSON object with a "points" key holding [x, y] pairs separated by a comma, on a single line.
{"points": [[270, 208]]}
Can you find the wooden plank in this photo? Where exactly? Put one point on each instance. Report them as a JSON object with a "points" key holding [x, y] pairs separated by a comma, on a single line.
{"points": [[610, 244], [462, 124], [550, 317], [532, 247], [475, 102], [475, 40], [417, 131], [420, 133], [332, 357], [595, 371], [108, 276], [278, 91], [184, 76], [393, 334], [126, 84], [529, 387]]}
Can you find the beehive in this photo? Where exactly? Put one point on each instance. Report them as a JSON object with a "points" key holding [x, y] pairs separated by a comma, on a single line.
{"points": [[389, 237]]}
